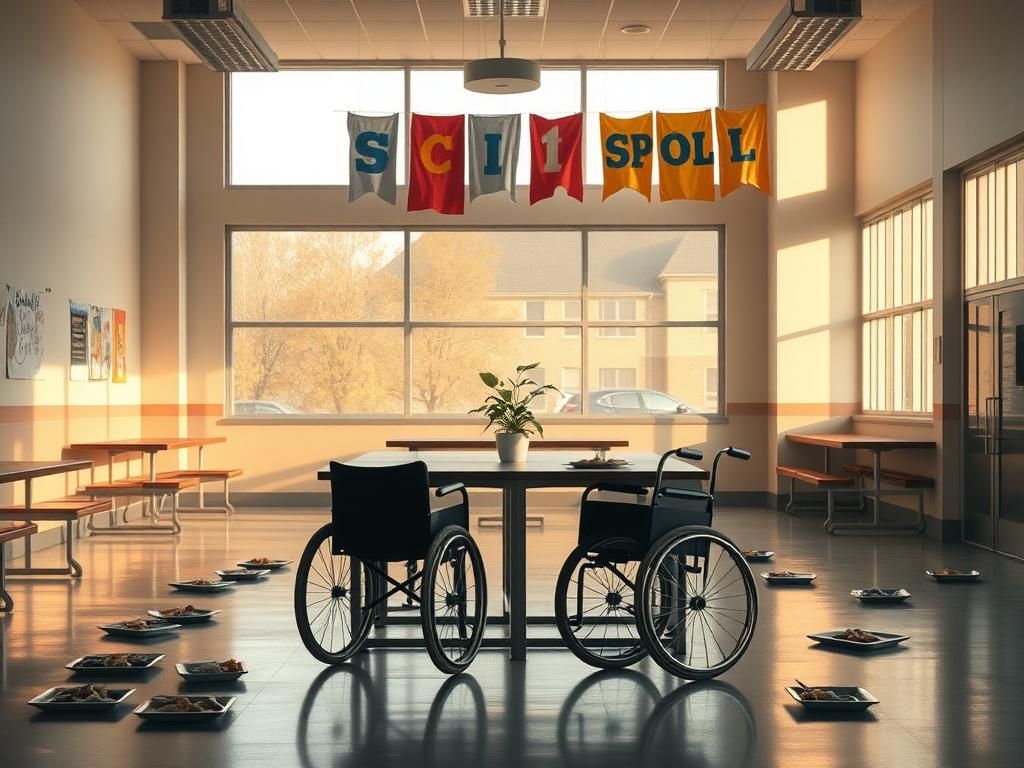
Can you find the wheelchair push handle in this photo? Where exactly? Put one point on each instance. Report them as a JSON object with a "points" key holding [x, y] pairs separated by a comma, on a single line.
{"points": [[693, 454], [735, 453]]}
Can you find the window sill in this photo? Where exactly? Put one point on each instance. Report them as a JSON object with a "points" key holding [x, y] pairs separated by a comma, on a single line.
{"points": [[906, 420], [445, 421]]}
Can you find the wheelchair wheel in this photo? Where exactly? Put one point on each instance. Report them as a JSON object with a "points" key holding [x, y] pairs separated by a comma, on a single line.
{"points": [[454, 600], [330, 594], [595, 599], [698, 603]]}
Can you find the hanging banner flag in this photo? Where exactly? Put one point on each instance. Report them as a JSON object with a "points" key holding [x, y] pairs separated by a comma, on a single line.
{"points": [[372, 147], [556, 156], [437, 163], [686, 161], [493, 154], [627, 153], [743, 148]]}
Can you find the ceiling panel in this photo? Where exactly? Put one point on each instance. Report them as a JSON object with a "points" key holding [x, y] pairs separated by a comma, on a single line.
{"points": [[122, 30], [282, 30], [333, 30], [387, 10], [101, 10], [322, 10], [268, 10], [139, 10]]}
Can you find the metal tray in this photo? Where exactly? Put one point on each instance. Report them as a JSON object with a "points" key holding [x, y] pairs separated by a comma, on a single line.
{"points": [[757, 555], [76, 665], [185, 586], [968, 576], [207, 677], [887, 596], [243, 574], [588, 464], [146, 713], [42, 701], [273, 565], [118, 631], [864, 699], [800, 578], [198, 617], [885, 640]]}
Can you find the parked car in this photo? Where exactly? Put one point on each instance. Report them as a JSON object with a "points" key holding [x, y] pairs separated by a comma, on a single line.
{"points": [[625, 402], [262, 408]]}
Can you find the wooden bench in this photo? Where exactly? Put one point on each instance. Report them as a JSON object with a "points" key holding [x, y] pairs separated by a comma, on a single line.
{"points": [[69, 511], [891, 476], [141, 485], [11, 532], [813, 477], [207, 476]]}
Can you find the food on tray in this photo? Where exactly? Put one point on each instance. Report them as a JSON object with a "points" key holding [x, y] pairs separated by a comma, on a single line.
{"points": [[823, 694], [599, 460], [186, 610], [215, 667], [115, 660], [952, 572], [141, 624], [752, 552], [876, 592], [201, 582], [261, 561], [783, 574], [857, 636], [182, 704], [82, 693]]}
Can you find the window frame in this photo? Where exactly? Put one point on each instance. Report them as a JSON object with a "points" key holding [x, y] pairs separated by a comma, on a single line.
{"points": [[407, 324], [883, 293], [973, 174]]}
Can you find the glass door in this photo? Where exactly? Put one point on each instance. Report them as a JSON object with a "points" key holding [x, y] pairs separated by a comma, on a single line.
{"points": [[979, 467], [1007, 442]]}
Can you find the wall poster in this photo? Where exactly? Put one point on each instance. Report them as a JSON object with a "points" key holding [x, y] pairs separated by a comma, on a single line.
{"points": [[26, 321], [119, 372], [99, 343], [78, 369]]}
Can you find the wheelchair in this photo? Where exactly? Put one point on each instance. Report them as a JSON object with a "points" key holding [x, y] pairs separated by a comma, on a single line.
{"points": [[381, 515], [657, 579]]}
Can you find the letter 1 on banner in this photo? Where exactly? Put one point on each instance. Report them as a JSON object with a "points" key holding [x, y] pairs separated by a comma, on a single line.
{"points": [[556, 156], [686, 162], [437, 163], [628, 148], [493, 154], [371, 163], [743, 148]]}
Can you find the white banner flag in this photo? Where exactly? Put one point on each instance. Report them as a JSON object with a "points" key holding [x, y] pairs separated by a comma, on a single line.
{"points": [[493, 154], [373, 144]]}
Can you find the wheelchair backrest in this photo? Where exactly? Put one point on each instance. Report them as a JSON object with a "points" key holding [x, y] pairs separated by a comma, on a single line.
{"points": [[380, 508]]}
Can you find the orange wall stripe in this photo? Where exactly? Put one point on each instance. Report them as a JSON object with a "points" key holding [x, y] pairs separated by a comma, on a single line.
{"points": [[792, 409]]}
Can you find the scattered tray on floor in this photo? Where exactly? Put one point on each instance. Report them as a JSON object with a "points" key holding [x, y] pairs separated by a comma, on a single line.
{"points": [[954, 574], [757, 555], [788, 577], [849, 699], [243, 574], [834, 637], [263, 564], [200, 585], [877, 595], [110, 698], [210, 708], [114, 663], [194, 616], [598, 463], [203, 672], [140, 628]]}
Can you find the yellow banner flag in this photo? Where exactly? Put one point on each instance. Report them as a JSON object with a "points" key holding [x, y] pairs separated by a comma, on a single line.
{"points": [[628, 153], [743, 148], [686, 162]]}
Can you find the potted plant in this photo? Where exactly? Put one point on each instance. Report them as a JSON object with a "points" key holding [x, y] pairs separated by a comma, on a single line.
{"points": [[508, 408]]}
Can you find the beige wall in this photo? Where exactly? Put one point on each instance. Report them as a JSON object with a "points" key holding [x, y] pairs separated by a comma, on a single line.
{"points": [[69, 217], [894, 113]]}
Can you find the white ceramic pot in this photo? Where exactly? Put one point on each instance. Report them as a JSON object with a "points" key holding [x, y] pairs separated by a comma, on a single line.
{"points": [[512, 447]]}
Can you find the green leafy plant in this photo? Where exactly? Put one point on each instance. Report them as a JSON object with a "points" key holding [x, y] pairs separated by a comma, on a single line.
{"points": [[509, 405]]}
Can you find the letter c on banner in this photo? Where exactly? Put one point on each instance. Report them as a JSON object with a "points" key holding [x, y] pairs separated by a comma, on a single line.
{"points": [[427, 153]]}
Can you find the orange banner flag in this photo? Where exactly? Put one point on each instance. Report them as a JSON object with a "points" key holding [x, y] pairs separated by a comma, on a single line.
{"points": [[743, 148], [628, 153], [686, 161]]}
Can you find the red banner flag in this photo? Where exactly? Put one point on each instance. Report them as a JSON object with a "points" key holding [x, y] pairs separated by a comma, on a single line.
{"points": [[556, 156], [437, 164]]}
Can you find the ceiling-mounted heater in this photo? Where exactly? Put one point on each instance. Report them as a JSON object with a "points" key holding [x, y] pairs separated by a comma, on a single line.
{"points": [[802, 33], [221, 35]]}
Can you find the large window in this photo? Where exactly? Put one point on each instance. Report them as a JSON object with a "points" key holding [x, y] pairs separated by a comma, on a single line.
{"points": [[994, 223], [364, 323], [290, 127], [897, 305]]}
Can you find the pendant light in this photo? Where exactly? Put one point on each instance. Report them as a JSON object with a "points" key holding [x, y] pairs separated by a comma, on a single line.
{"points": [[501, 75]]}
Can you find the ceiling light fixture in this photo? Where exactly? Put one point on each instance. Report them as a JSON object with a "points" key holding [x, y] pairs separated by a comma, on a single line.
{"points": [[501, 75], [802, 33], [635, 29]]}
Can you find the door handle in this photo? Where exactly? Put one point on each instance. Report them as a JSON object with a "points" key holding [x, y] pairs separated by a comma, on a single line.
{"points": [[988, 424], [997, 432]]}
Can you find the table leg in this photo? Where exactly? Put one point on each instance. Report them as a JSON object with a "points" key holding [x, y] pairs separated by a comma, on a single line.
{"points": [[200, 489], [513, 505], [876, 483], [28, 507]]}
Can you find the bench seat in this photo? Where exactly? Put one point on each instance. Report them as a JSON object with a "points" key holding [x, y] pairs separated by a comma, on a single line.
{"points": [[139, 483], [892, 476], [202, 474], [814, 477], [69, 508]]}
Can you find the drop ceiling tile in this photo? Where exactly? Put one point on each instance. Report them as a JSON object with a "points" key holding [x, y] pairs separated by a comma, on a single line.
{"points": [[282, 30], [143, 50], [732, 49], [268, 10], [322, 10], [295, 49], [577, 10], [692, 29], [139, 10], [175, 50], [387, 10], [569, 50], [761, 9], [444, 11], [726, 10], [888, 9], [333, 30], [873, 30], [344, 49], [395, 30], [746, 30], [122, 30], [450, 50], [614, 29], [694, 9], [626, 49], [401, 49], [852, 49], [654, 9], [580, 30], [101, 10], [683, 49]]}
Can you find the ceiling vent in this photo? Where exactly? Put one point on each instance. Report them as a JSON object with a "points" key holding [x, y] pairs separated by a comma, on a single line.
{"points": [[220, 35], [803, 33], [521, 9]]}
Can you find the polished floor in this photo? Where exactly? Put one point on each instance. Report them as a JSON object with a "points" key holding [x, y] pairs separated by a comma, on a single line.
{"points": [[952, 696]]}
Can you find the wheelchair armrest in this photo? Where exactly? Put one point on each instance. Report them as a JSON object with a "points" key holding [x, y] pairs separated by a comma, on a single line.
{"points": [[632, 490], [444, 490], [685, 493]]}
